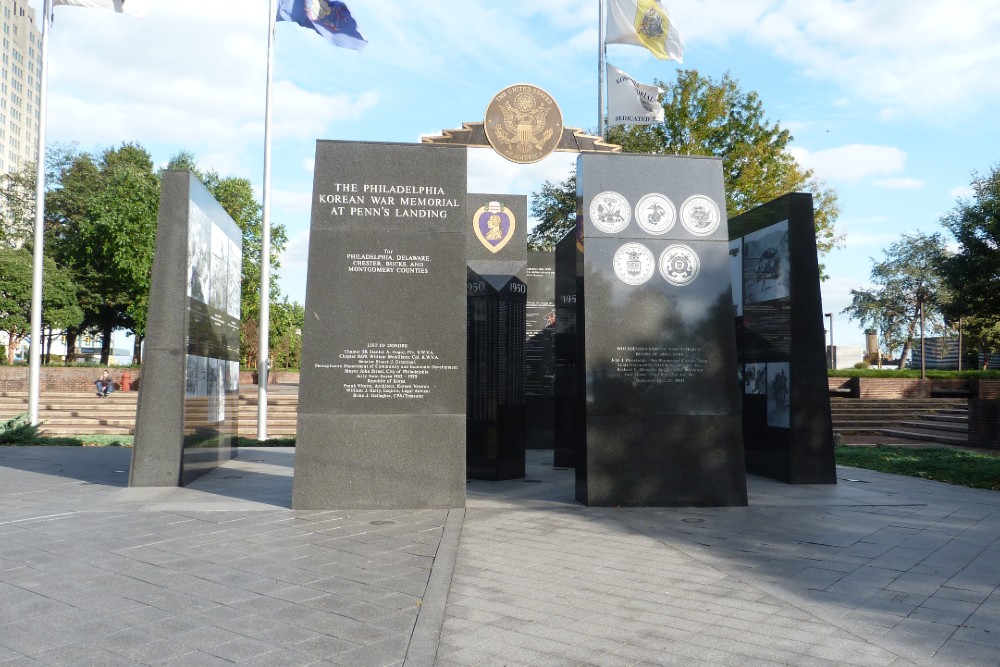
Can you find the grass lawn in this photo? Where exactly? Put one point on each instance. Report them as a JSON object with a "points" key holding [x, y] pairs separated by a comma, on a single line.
{"points": [[954, 466]]}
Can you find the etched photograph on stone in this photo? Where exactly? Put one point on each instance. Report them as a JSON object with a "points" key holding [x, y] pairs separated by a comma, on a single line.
{"points": [[766, 267], [736, 275], [779, 389], [755, 379]]}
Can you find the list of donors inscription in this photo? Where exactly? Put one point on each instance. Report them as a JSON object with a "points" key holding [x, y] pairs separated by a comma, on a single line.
{"points": [[382, 399]]}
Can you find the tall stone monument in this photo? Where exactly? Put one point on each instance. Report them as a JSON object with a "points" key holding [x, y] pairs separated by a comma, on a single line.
{"points": [[569, 418], [539, 354], [188, 408], [787, 429], [382, 394], [655, 337], [497, 263]]}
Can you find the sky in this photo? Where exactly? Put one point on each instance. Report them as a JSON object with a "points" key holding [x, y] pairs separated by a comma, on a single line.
{"points": [[891, 103]]}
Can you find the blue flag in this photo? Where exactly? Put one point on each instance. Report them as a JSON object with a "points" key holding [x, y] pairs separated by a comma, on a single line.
{"points": [[330, 18]]}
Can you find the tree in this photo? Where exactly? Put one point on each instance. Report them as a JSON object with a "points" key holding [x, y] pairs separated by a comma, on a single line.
{"points": [[973, 272], [909, 277], [705, 117], [59, 297], [555, 206], [102, 225], [235, 195]]}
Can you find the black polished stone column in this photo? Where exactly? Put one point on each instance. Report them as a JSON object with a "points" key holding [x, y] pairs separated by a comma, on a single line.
{"points": [[569, 411], [495, 321], [539, 369], [662, 422], [186, 421], [382, 394], [787, 429]]}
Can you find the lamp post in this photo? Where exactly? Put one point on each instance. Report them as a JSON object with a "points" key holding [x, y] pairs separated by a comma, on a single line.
{"points": [[833, 356]]}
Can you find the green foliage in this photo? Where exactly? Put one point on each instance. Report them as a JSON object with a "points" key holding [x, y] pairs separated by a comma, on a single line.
{"points": [[982, 334], [954, 466], [102, 225], [17, 430], [270, 442], [716, 118], [59, 296], [555, 207], [973, 272], [910, 275]]}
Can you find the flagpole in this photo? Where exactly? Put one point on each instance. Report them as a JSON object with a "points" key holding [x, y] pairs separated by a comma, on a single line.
{"points": [[600, 68], [263, 346], [35, 349]]}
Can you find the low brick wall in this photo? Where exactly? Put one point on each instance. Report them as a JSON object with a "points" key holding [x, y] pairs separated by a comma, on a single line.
{"points": [[984, 423], [896, 388], [15, 378], [987, 389]]}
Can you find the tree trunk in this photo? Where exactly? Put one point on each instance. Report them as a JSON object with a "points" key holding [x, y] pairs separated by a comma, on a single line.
{"points": [[48, 347], [137, 350], [106, 344], [71, 334], [902, 355]]}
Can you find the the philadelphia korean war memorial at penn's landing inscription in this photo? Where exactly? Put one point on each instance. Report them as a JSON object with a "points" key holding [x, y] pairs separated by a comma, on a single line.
{"points": [[382, 394]]}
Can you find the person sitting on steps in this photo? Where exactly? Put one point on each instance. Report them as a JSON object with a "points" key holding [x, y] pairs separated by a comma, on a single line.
{"points": [[105, 385]]}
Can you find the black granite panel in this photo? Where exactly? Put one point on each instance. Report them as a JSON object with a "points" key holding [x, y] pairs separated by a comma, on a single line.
{"points": [[568, 417], [382, 394], [495, 379], [495, 323], [186, 423], [654, 316], [539, 359], [367, 461], [788, 431]]}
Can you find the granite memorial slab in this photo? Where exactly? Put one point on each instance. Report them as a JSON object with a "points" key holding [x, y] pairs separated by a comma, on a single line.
{"points": [[539, 356], [495, 324], [186, 419], [787, 428], [382, 396], [655, 338], [568, 408]]}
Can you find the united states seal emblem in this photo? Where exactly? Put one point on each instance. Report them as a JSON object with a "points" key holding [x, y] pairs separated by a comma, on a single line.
{"points": [[634, 263], [523, 123], [679, 265], [494, 225]]}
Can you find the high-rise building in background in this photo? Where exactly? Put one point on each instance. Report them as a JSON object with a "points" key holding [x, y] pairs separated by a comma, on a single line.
{"points": [[20, 85]]}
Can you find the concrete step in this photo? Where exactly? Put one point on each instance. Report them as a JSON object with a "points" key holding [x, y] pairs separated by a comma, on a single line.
{"points": [[925, 436], [952, 419], [935, 426]]}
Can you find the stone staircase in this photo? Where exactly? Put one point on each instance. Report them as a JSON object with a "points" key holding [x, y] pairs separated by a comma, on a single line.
{"points": [[935, 420], [83, 413]]}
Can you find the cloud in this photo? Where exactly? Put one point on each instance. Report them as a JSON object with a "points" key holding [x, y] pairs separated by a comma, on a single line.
{"points": [[963, 191], [851, 163], [901, 183], [919, 58]]}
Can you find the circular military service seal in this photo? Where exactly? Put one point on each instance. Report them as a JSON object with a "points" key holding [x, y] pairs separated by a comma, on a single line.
{"points": [[679, 265], [634, 263], [610, 212], [655, 213], [523, 123], [700, 215]]}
